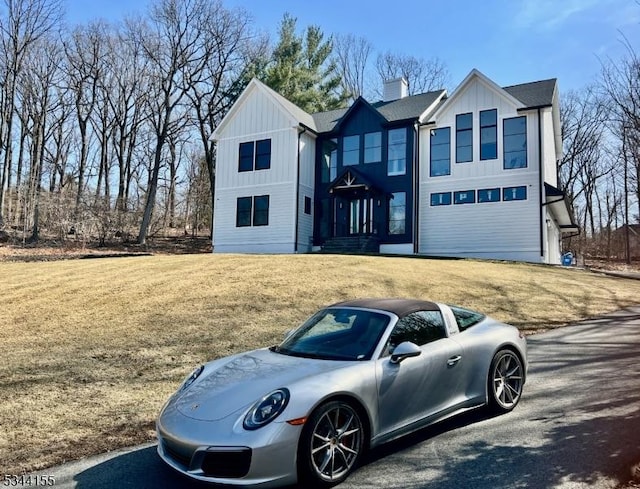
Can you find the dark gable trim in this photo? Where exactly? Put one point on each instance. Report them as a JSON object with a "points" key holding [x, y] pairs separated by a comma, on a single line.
{"points": [[360, 102]]}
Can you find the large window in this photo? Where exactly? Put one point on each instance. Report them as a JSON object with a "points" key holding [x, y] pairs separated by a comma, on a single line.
{"points": [[440, 152], [398, 213], [254, 155], [397, 154], [252, 211], [464, 138], [488, 134], [373, 147], [515, 143], [329, 160], [351, 150]]}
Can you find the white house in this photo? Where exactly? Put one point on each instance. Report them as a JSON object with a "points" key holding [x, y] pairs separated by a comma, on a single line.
{"points": [[473, 174]]}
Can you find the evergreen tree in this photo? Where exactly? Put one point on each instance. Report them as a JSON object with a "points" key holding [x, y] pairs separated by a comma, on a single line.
{"points": [[301, 69]]}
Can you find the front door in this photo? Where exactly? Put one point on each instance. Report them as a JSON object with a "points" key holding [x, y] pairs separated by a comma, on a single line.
{"points": [[360, 216]]}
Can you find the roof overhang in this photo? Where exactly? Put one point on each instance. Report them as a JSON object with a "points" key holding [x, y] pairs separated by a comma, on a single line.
{"points": [[352, 180], [558, 204]]}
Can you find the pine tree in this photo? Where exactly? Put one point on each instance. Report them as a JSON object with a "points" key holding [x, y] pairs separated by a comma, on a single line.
{"points": [[301, 69]]}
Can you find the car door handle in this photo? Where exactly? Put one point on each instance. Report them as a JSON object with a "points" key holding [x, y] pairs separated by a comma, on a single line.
{"points": [[453, 360]]}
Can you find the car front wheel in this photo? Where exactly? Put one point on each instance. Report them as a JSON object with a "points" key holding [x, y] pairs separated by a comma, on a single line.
{"points": [[331, 444], [506, 378]]}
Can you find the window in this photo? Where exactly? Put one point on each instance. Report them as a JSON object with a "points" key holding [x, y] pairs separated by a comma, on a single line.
{"points": [[464, 197], [373, 147], [329, 160], [464, 138], [440, 152], [243, 212], [397, 152], [263, 154], [307, 205], [466, 318], [398, 213], [420, 327], [489, 134], [441, 198], [514, 193], [260, 215], [262, 151], [515, 142], [245, 162], [350, 150], [489, 195], [261, 210]]}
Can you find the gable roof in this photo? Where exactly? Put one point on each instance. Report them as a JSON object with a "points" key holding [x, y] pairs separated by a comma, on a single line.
{"points": [[292, 110], [404, 109], [534, 94]]}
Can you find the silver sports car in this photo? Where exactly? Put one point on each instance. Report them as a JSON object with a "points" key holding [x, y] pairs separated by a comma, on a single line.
{"points": [[354, 375]]}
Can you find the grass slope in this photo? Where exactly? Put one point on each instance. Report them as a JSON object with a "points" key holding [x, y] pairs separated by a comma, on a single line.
{"points": [[92, 348]]}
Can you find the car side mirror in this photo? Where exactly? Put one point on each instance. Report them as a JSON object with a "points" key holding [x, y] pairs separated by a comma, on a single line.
{"points": [[404, 350]]}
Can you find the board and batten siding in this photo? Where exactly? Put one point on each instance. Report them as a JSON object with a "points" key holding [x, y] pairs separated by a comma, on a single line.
{"points": [[306, 189], [259, 117], [499, 230]]}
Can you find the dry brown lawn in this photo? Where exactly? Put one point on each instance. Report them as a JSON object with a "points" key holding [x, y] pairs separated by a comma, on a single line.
{"points": [[92, 348]]}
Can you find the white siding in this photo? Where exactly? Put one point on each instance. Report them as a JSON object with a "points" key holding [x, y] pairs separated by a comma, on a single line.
{"points": [[307, 174], [502, 230], [258, 117], [550, 157]]}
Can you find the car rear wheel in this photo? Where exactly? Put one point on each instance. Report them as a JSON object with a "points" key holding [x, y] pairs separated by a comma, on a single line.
{"points": [[505, 382], [331, 444]]}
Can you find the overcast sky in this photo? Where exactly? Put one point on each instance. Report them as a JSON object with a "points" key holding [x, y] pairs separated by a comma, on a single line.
{"points": [[510, 41]]}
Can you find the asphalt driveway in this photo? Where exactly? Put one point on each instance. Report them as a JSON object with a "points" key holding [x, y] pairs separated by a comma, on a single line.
{"points": [[577, 426]]}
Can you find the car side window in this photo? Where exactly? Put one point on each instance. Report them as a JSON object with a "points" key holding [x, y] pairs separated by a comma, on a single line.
{"points": [[466, 318], [420, 327]]}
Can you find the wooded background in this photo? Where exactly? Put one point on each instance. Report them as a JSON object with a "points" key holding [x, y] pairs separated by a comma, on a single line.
{"points": [[104, 127]]}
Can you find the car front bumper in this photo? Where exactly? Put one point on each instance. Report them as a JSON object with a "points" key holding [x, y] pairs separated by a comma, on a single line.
{"points": [[263, 458]]}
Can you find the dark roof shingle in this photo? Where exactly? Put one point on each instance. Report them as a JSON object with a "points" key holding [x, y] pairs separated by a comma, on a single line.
{"points": [[534, 94]]}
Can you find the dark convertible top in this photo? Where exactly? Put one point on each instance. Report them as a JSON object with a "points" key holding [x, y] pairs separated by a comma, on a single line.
{"points": [[399, 307]]}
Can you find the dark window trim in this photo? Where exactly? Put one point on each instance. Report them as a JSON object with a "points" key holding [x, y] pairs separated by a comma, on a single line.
{"points": [[516, 187], [496, 190], [264, 213], [246, 157], [437, 194], [431, 145], [458, 192], [246, 213], [495, 127], [504, 147], [390, 144], [264, 156], [463, 130], [307, 205], [253, 160]]}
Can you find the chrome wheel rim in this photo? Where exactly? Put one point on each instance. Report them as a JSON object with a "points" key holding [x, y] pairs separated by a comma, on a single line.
{"points": [[336, 442], [507, 380]]}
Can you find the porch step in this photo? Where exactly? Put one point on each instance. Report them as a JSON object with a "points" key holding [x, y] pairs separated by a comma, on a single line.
{"points": [[352, 244]]}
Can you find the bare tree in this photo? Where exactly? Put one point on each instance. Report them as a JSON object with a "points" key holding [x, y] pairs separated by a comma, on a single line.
{"points": [[176, 46], [24, 23], [422, 75], [352, 59]]}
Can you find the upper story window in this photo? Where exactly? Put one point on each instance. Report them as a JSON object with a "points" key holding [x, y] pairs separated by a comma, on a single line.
{"points": [[440, 152], [254, 155], [373, 147], [263, 154], [515, 142], [398, 213], [397, 152], [329, 170], [488, 134], [464, 138], [350, 150]]}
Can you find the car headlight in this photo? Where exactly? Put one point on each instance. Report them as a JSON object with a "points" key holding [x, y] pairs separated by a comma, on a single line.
{"points": [[191, 378], [266, 409]]}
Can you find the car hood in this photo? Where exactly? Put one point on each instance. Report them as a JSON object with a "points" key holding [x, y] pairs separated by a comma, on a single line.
{"points": [[224, 388]]}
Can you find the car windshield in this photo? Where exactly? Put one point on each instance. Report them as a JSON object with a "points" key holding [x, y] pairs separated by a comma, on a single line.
{"points": [[337, 334]]}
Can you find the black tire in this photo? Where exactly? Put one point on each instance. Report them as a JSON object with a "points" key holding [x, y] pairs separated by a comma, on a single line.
{"points": [[331, 445], [505, 381]]}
